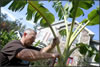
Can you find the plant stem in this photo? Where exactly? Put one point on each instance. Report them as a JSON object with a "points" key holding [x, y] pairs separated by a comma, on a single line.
{"points": [[79, 32], [66, 28], [76, 30], [71, 51], [69, 37], [66, 25], [72, 25]]}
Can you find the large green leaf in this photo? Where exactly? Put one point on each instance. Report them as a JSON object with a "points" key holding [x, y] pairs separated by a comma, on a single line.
{"points": [[93, 17], [34, 9], [75, 11], [4, 2], [97, 58], [86, 4], [17, 5], [43, 13], [82, 4], [83, 21], [57, 5], [90, 52], [79, 12], [83, 48], [60, 14], [36, 17], [62, 32], [43, 23], [30, 12]]}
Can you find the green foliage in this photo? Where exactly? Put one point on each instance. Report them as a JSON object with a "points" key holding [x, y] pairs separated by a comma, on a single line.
{"points": [[5, 37], [7, 30], [83, 21], [93, 16], [4, 2], [37, 43], [35, 9], [42, 63], [82, 4], [70, 8], [83, 48], [17, 5], [37, 16], [40, 13], [97, 58], [79, 13], [62, 32], [58, 8], [86, 4]]}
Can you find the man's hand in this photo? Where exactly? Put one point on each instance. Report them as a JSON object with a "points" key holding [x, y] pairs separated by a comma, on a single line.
{"points": [[50, 47], [55, 41], [56, 55]]}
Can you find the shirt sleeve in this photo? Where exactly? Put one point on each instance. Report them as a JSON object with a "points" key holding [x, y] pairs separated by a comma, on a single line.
{"points": [[12, 49]]}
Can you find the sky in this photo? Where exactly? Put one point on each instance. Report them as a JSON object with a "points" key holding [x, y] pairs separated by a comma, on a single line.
{"points": [[29, 24]]}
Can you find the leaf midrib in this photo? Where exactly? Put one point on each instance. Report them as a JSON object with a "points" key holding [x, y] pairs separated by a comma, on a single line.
{"points": [[38, 11]]}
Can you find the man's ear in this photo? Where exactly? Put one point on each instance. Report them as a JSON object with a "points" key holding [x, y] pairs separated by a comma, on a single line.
{"points": [[25, 33]]}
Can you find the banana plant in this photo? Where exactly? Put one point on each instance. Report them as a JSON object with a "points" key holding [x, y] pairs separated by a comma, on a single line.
{"points": [[73, 9]]}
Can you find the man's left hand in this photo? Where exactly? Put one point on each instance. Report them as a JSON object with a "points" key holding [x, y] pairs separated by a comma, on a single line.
{"points": [[56, 41]]}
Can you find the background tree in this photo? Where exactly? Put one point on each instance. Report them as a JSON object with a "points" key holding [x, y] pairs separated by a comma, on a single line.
{"points": [[7, 30], [7, 25]]}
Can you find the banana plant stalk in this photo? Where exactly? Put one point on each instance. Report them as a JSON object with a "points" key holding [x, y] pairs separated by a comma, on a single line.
{"points": [[66, 50], [74, 35]]}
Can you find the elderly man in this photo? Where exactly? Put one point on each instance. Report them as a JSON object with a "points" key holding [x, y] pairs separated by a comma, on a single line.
{"points": [[20, 52]]}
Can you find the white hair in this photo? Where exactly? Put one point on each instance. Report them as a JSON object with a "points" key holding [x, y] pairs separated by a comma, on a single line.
{"points": [[29, 30]]}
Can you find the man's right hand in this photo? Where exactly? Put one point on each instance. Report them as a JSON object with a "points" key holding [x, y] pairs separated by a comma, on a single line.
{"points": [[56, 55]]}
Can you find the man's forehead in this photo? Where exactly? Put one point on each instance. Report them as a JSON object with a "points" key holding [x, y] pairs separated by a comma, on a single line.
{"points": [[32, 32]]}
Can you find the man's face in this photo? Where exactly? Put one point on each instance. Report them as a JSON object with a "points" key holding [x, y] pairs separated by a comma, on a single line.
{"points": [[30, 38]]}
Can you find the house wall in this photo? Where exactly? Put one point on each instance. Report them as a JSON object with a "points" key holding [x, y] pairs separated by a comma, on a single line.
{"points": [[85, 38]]}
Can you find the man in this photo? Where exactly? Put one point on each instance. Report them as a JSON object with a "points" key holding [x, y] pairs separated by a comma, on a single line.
{"points": [[20, 52]]}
